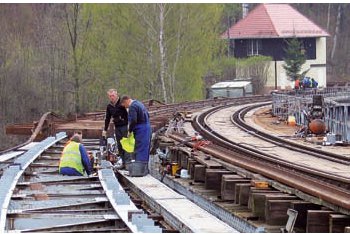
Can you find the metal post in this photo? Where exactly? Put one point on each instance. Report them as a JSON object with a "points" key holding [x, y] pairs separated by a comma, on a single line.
{"points": [[275, 74]]}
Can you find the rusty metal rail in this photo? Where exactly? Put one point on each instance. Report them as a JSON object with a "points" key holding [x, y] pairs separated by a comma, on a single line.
{"points": [[34, 135], [238, 119], [251, 160]]}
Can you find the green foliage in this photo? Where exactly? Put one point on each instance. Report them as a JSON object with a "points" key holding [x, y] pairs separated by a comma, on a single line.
{"points": [[294, 59], [232, 12], [123, 50], [219, 66], [254, 67]]}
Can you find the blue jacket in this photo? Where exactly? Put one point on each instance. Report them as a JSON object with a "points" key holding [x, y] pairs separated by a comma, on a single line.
{"points": [[140, 125], [86, 163], [138, 114]]}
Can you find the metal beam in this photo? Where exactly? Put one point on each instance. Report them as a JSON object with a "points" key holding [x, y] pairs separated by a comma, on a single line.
{"points": [[11, 175]]}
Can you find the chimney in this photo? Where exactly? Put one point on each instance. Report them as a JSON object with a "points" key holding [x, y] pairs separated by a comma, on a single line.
{"points": [[245, 9]]}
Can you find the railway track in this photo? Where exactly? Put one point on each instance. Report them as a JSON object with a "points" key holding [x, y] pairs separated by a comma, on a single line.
{"points": [[331, 192], [238, 119], [336, 191], [35, 198], [331, 188], [220, 158]]}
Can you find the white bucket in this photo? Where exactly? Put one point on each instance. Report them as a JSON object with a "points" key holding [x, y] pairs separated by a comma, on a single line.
{"points": [[184, 173]]}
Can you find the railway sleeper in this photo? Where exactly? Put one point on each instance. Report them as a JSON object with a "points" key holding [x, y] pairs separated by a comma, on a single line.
{"points": [[247, 196]]}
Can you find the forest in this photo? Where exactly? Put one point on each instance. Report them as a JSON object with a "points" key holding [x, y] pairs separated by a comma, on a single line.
{"points": [[63, 57]]}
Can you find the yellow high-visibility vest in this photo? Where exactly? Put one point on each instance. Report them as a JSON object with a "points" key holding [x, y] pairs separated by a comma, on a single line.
{"points": [[71, 157]]}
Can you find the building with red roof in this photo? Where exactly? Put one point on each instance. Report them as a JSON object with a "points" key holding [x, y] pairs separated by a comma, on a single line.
{"points": [[264, 31]]}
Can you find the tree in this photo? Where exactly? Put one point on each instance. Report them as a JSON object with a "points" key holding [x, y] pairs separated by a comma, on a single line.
{"points": [[294, 59], [78, 33], [337, 29]]}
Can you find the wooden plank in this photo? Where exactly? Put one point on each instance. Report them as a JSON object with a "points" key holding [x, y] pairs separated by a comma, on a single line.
{"points": [[254, 190], [318, 221], [175, 208], [338, 222], [174, 156], [228, 186], [302, 207], [276, 211], [199, 173], [190, 167], [183, 159], [244, 194], [259, 201], [238, 187], [207, 161], [213, 178]]}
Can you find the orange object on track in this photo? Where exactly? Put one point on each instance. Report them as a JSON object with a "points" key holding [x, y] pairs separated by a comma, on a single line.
{"points": [[317, 126]]}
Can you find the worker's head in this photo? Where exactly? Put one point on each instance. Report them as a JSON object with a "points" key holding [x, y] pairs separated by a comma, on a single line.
{"points": [[112, 95], [77, 137], [125, 101]]}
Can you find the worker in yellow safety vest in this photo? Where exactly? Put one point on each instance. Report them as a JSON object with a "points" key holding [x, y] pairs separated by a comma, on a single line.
{"points": [[74, 159]]}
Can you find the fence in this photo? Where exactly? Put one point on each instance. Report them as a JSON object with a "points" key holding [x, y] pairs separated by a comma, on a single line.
{"points": [[336, 108]]}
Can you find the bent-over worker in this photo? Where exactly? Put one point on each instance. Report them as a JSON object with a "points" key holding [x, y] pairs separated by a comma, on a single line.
{"points": [[139, 124]]}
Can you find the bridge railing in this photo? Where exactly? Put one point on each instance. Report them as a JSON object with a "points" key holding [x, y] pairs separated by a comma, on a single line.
{"points": [[336, 108]]}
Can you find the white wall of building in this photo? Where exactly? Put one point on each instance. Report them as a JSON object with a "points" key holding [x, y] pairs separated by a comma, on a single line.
{"points": [[317, 68]]}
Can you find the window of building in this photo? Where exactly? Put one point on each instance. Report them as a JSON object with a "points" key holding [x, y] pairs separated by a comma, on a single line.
{"points": [[254, 47]]}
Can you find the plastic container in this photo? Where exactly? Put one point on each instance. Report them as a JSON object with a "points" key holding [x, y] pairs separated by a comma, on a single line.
{"points": [[174, 168], [184, 173], [137, 168], [291, 120], [128, 144]]}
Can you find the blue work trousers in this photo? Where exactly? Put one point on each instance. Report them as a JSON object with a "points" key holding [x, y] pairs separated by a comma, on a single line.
{"points": [[142, 134]]}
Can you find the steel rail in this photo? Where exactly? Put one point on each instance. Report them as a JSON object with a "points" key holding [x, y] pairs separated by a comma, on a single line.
{"points": [[32, 192], [35, 133], [238, 119], [326, 192], [14, 172], [223, 141]]}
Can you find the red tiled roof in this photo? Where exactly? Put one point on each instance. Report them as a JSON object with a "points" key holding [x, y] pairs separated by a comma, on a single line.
{"points": [[274, 21]]}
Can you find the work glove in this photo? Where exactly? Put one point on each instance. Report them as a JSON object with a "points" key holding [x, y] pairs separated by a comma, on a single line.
{"points": [[104, 133]]}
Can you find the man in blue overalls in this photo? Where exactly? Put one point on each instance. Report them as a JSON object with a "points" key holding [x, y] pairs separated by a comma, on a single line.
{"points": [[139, 124]]}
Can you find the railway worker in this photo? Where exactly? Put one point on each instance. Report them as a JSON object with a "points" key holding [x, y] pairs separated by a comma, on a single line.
{"points": [[297, 84], [314, 83], [120, 120], [74, 159], [306, 82], [139, 124]]}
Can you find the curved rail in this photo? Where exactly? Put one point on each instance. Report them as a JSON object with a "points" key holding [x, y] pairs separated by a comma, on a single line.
{"points": [[201, 124], [238, 119], [10, 177], [34, 197], [35, 133], [251, 159]]}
